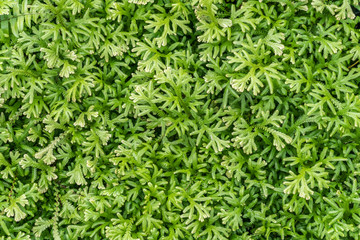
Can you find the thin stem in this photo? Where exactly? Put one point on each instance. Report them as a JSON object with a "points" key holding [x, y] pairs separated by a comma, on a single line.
{"points": [[16, 16], [353, 64]]}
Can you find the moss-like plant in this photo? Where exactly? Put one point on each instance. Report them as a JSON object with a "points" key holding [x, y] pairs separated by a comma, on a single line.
{"points": [[179, 119]]}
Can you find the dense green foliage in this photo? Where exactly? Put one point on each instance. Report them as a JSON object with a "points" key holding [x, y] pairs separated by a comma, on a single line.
{"points": [[179, 119]]}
